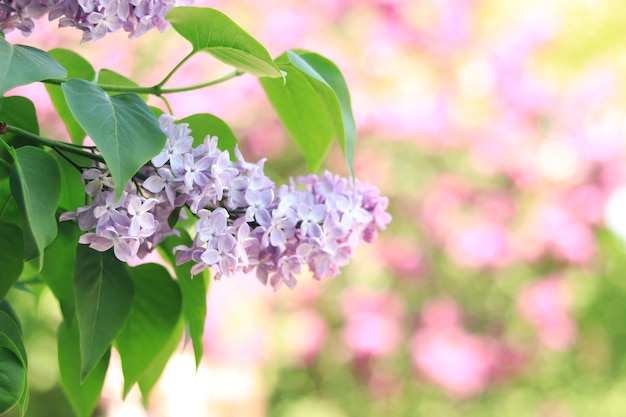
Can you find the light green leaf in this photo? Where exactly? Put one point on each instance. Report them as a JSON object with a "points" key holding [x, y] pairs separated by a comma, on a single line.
{"points": [[204, 124], [325, 70], [194, 292], [308, 111], [57, 270], [77, 67], [153, 318], [11, 256], [103, 293], [35, 185], [123, 127], [21, 65], [211, 31], [83, 395], [152, 373]]}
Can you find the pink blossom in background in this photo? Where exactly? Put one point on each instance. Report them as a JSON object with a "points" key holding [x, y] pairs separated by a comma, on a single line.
{"points": [[462, 363], [546, 304], [443, 351], [566, 236], [405, 259], [481, 245], [373, 325]]}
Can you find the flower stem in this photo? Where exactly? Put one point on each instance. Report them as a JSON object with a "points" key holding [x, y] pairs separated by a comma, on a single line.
{"points": [[56, 145], [155, 90]]}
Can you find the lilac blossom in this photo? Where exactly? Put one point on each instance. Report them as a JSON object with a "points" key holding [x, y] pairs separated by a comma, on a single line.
{"points": [[243, 221], [95, 18]]}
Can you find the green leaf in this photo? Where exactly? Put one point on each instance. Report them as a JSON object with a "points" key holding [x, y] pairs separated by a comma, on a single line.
{"points": [[325, 70], [83, 395], [77, 67], [106, 76], [211, 31], [194, 292], [35, 185], [104, 296], [10, 328], [123, 127], [12, 340], [204, 124], [72, 186], [153, 318], [11, 256], [308, 109], [21, 65], [17, 111], [57, 270], [152, 373], [12, 380]]}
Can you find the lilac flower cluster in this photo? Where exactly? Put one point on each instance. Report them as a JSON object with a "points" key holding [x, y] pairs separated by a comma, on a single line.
{"points": [[243, 221], [94, 17]]}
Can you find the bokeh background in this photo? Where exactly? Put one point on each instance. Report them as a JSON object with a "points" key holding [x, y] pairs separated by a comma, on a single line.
{"points": [[496, 128]]}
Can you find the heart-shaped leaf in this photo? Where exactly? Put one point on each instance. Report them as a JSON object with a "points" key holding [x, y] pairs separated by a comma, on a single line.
{"points": [[35, 184], [21, 65], [212, 31], [104, 295], [122, 126]]}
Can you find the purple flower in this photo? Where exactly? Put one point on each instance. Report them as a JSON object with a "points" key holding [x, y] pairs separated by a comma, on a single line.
{"points": [[244, 222]]}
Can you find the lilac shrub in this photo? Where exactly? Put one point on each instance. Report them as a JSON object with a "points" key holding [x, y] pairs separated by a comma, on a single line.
{"points": [[94, 17], [243, 221]]}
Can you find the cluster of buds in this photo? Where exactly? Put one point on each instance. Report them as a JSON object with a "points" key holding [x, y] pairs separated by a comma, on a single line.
{"points": [[94, 17], [243, 221]]}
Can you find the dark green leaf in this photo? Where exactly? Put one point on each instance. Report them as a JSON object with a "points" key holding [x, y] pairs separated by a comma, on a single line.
{"points": [[6, 307], [324, 70], [109, 77], [204, 124], [123, 127], [21, 65], [194, 291], [11, 329], [155, 312], [211, 31], [12, 380], [82, 394], [11, 256], [57, 270], [77, 67], [35, 185], [11, 339], [104, 295], [308, 108]]}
